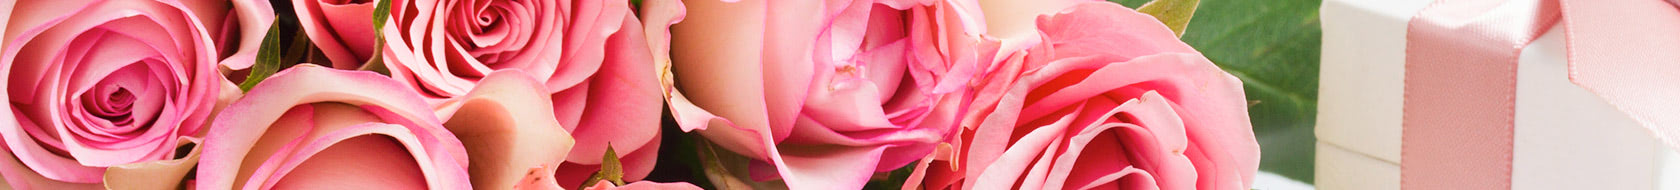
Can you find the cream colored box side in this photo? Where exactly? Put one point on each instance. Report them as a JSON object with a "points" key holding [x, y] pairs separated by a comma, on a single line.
{"points": [[1340, 168], [1568, 138], [1361, 74]]}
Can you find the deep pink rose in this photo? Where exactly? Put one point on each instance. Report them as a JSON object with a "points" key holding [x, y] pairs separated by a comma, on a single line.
{"points": [[592, 56], [822, 94], [341, 29], [1101, 97], [293, 132], [97, 83]]}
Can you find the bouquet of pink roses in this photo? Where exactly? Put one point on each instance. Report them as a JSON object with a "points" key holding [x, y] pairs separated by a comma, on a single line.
{"points": [[594, 94]]}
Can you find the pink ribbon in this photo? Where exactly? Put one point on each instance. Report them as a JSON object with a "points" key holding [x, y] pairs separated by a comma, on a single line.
{"points": [[1460, 86]]}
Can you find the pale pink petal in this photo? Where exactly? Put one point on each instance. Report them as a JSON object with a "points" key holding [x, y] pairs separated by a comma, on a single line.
{"points": [[510, 132], [374, 96], [1013, 21], [658, 16], [711, 76], [1127, 34], [362, 156], [6, 7], [161, 174], [845, 103], [786, 47]]}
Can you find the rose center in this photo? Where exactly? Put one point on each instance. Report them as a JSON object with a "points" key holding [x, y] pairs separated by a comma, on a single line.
{"points": [[127, 99], [114, 98], [115, 106], [489, 31], [122, 99]]}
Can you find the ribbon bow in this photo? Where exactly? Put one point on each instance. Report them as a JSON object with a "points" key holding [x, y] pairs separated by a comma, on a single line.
{"points": [[1460, 81]]}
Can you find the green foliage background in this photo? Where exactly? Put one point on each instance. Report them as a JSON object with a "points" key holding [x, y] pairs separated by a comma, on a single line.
{"points": [[1273, 46]]}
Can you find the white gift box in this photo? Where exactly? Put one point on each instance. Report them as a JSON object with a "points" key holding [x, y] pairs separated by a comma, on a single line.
{"points": [[1565, 137]]}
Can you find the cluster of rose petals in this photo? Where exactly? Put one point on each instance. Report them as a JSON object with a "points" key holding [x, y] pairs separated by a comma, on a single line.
{"points": [[513, 139], [292, 132], [592, 56], [1122, 104], [825, 93], [92, 84]]}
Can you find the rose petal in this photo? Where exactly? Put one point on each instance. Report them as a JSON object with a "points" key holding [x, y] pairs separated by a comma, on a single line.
{"points": [[624, 102], [17, 175], [436, 151], [508, 126], [1128, 35], [341, 30], [712, 76], [147, 175], [356, 157]]}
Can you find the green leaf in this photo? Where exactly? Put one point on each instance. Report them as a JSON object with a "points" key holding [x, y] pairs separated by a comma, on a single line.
{"points": [[299, 50], [611, 170], [381, 13], [376, 63], [1273, 47], [1175, 13], [268, 58]]}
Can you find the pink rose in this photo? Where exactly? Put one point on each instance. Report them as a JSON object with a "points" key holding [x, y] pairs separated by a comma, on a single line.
{"points": [[292, 131], [93, 84], [592, 56], [341, 29], [822, 94], [1104, 97]]}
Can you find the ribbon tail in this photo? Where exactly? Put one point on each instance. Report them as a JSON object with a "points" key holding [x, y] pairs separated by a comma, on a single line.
{"points": [[1627, 53]]}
